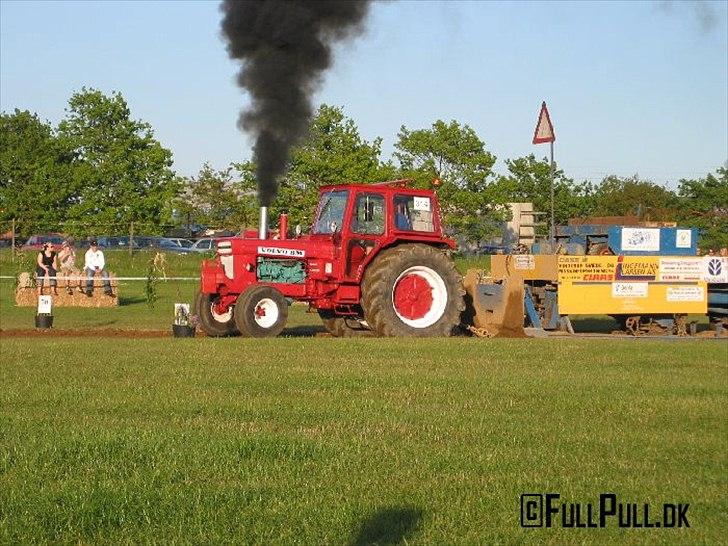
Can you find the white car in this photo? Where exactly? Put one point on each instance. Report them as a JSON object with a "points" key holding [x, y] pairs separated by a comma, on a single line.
{"points": [[203, 245]]}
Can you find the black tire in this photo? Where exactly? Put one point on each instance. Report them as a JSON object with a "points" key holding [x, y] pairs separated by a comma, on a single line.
{"points": [[210, 322], [255, 300], [383, 283], [341, 327]]}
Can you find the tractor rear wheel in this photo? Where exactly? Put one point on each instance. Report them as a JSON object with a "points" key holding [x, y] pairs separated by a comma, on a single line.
{"points": [[261, 311], [339, 326], [413, 290], [214, 324]]}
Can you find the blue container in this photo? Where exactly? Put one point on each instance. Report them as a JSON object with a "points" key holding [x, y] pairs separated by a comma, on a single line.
{"points": [[643, 241]]}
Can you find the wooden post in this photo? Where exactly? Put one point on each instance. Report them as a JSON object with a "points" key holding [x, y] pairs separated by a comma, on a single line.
{"points": [[12, 235], [131, 239]]}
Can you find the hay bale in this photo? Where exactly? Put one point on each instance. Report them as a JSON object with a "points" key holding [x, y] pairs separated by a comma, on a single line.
{"points": [[26, 295], [25, 280]]}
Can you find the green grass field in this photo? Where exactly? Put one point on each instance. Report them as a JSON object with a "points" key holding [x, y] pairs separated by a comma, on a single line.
{"points": [[311, 440]]}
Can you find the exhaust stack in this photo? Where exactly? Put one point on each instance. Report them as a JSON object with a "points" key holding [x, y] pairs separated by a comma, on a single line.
{"points": [[263, 224]]}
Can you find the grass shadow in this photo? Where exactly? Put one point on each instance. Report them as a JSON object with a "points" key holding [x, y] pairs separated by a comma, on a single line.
{"points": [[388, 526], [303, 331], [131, 300]]}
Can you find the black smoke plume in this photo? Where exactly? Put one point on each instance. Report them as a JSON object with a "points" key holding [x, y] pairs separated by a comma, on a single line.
{"points": [[285, 47]]}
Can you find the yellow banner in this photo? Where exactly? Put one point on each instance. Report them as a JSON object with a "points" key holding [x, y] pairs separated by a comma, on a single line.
{"points": [[635, 285]]}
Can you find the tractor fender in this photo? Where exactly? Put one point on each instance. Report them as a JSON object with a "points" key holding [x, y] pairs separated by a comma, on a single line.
{"points": [[212, 275]]}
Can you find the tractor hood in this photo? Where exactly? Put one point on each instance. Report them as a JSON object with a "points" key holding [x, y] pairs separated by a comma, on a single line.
{"points": [[298, 249]]}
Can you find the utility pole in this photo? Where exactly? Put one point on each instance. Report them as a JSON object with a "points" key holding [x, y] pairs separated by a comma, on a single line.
{"points": [[543, 133], [552, 230], [131, 238]]}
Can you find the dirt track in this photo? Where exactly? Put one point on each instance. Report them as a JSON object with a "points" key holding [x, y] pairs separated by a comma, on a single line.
{"points": [[52, 332]]}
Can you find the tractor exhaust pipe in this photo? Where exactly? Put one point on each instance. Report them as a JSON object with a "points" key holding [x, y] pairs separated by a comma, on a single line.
{"points": [[263, 224]]}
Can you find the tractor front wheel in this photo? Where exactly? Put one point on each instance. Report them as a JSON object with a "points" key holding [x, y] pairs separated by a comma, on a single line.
{"points": [[261, 311], [212, 322], [413, 290]]}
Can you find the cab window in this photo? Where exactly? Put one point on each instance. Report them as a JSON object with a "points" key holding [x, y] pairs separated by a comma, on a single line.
{"points": [[368, 214], [330, 216], [413, 213]]}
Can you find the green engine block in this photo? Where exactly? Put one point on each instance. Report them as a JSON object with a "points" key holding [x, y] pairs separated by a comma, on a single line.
{"points": [[280, 271]]}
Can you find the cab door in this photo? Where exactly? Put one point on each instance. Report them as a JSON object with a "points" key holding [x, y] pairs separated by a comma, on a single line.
{"points": [[367, 226]]}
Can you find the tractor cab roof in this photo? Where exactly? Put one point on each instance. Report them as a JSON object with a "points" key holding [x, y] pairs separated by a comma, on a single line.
{"points": [[390, 186]]}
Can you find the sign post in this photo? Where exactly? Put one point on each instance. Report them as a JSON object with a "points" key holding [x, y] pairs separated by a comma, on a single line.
{"points": [[543, 133], [44, 315]]}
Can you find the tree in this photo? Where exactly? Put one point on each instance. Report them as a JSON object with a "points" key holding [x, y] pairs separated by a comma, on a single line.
{"points": [[332, 153], [617, 196], [36, 183], [216, 199], [121, 172], [456, 156], [529, 181], [704, 204]]}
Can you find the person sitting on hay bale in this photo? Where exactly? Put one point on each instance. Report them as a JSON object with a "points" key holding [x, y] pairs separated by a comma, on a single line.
{"points": [[47, 266], [67, 259], [94, 263]]}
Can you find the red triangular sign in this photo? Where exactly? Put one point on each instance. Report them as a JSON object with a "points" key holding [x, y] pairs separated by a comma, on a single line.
{"points": [[544, 129]]}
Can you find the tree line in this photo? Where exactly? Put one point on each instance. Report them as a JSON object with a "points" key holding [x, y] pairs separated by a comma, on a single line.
{"points": [[99, 170]]}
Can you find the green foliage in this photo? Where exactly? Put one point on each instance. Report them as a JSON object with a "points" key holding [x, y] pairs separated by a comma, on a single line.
{"points": [[617, 196], [529, 180], [704, 204], [455, 155], [121, 172], [217, 199], [36, 179], [156, 268]]}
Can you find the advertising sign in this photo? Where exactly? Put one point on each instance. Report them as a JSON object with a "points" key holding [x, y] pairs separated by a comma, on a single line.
{"points": [[683, 238], [715, 269], [632, 285], [524, 261], [641, 239], [681, 269]]}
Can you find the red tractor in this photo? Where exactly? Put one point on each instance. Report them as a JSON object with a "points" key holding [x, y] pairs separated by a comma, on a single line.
{"points": [[376, 262]]}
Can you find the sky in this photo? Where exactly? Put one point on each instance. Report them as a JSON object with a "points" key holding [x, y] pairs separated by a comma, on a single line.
{"points": [[632, 87]]}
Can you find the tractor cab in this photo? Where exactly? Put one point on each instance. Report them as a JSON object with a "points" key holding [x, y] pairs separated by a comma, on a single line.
{"points": [[362, 219]]}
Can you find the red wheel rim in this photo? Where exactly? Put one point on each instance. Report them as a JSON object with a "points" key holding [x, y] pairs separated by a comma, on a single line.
{"points": [[412, 296]]}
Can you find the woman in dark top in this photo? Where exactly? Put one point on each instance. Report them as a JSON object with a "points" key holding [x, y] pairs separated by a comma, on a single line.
{"points": [[47, 265]]}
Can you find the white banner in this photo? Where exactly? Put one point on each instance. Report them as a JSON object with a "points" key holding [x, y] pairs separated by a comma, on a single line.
{"points": [[629, 290], [685, 293], [641, 239], [681, 269], [524, 261]]}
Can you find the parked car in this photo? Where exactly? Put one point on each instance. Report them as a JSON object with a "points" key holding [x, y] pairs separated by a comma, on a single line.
{"points": [[203, 245], [178, 241], [166, 244], [117, 243], [36, 242]]}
